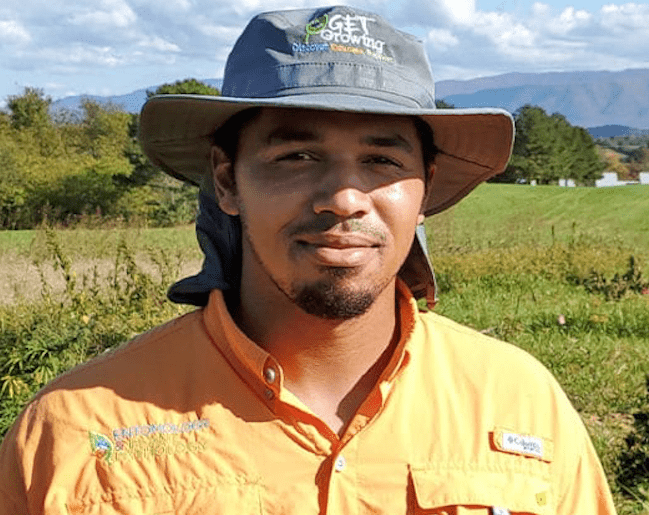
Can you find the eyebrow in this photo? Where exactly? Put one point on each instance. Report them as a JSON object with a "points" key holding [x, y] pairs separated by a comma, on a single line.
{"points": [[288, 134], [395, 141]]}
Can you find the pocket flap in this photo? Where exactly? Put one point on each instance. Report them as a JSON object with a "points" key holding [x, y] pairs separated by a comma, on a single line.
{"points": [[510, 490]]}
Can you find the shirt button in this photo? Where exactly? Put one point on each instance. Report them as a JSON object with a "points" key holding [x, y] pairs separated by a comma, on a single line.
{"points": [[269, 394], [340, 464], [270, 375]]}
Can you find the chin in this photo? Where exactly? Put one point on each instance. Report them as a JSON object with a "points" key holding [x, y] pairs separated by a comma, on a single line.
{"points": [[331, 299]]}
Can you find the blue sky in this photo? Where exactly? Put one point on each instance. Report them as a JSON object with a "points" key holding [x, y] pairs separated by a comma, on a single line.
{"points": [[107, 47], [511, 5]]}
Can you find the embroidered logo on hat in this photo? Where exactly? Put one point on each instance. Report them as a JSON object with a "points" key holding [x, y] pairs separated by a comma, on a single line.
{"points": [[349, 33], [316, 26]]}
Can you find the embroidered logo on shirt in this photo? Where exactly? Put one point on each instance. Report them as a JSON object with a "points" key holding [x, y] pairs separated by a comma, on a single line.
{"points": [[191, 426], [101, 446], [522, 444], [147, 441]]}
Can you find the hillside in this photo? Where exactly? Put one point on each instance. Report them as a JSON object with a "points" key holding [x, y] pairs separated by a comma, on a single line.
{"points": [[586, 99], [605, 100]]}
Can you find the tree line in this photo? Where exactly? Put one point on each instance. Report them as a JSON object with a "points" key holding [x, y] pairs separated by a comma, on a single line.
{"points": [[62, 165], [548, 148]]}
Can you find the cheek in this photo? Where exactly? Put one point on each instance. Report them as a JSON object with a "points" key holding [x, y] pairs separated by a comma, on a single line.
{"points": [[403, 199], [266, 211], [261, 200]]}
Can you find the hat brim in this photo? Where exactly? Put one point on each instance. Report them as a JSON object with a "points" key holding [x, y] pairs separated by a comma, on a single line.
{"points": [[473, 144]]}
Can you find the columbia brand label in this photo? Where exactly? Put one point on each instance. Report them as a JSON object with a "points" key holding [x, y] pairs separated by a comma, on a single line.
{"points": [[522, 444], [531, 446], [500, 511]]}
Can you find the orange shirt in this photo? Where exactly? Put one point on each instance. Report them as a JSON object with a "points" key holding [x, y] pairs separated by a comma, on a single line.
{"points": [[193, 418]]}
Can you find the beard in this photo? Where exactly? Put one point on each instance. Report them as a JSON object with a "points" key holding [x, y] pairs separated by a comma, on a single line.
{"points": [[329, 298]]}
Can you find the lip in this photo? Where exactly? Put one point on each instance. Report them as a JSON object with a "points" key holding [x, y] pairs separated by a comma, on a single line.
{"points": [[338, 241], [338, 250]]}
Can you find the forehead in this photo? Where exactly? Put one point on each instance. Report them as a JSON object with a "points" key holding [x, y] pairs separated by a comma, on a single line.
{"points": [[321, 122]]}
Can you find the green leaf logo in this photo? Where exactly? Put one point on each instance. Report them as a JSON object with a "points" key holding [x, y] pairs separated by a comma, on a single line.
{"points": [[316, 26]]}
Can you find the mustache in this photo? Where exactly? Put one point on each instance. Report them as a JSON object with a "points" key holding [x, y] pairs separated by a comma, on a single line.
{"points": [[330, 224]]}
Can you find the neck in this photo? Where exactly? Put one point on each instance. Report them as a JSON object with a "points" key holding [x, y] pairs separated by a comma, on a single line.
{"points": [[331, 365]]}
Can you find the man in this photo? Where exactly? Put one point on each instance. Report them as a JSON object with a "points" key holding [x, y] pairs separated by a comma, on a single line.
{"points": [[311, 382]]}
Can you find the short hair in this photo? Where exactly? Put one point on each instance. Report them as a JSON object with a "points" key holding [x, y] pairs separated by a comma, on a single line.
{"points": [[226, 137]]}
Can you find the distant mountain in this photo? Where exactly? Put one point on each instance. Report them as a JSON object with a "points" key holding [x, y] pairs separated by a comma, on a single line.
{"points": [[586, 99], [131, 102], [612, 131]]}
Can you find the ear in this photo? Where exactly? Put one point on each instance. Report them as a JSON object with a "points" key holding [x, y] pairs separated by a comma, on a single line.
{"points": [[428, 188], [224, 184]]}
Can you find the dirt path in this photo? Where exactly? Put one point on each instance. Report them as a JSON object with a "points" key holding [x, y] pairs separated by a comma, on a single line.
{"points": [[20, 279]]}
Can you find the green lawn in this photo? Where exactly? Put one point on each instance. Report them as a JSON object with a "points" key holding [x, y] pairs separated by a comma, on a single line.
{"points": [[98, 243], [503, 214]]}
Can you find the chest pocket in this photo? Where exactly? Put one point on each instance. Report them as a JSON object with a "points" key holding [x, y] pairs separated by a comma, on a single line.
{"points": [[461, 492]]}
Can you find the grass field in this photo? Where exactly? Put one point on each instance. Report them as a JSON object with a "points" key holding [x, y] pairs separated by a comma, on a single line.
{"points": [[502, 215], [556, 271]]}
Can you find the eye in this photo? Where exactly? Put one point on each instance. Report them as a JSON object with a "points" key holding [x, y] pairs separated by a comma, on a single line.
{"points": [[383, 161], [296, 156]]}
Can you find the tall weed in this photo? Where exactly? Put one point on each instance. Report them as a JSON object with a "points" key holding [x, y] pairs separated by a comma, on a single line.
{"points": [[42, 339]]}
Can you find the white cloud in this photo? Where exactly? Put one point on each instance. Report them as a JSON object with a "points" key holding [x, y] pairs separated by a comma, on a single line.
{"points": [[13, 32], [70, 41], [112, 13], [159, 44], [89, 55], [540, 10], [461, 12], [220, 33], [442, 39], [626, 17], [248, 7], [505, 33], [569, 20]]}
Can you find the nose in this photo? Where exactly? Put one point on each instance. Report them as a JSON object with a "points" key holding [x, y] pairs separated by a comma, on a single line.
{"points": [[341, 192]]}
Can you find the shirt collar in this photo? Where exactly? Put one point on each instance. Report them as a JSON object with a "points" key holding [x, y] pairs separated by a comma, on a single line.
{"points": [[263, 373]]}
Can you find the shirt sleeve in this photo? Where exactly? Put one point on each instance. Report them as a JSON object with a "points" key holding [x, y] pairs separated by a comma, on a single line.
{"points": [[13, 496], [585, 489]]}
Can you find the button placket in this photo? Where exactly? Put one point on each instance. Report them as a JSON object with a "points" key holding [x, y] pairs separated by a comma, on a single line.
{"points": [[270, 374]]}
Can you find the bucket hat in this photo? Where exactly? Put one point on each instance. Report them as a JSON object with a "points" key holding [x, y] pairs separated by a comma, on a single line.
{"points": [[335, 58]]}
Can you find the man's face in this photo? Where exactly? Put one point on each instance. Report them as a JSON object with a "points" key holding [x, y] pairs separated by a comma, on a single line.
{"points": [[328, 203]]}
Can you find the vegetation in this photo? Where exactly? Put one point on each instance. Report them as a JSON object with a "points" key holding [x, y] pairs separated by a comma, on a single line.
{"points": [[60, 166], [549, 270], [185, 87], [548, 148], [626, 155]]}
